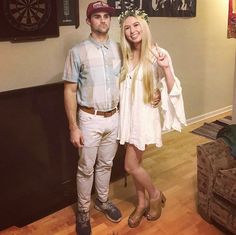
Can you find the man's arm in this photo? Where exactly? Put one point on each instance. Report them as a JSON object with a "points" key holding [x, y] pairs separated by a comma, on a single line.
{"points": [[70, 103]]}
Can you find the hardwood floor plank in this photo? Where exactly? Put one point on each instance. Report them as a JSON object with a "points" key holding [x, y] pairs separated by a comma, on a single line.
{"points": [[173, 169]]}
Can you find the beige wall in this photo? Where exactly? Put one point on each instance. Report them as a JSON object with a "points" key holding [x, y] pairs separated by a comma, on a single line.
{"points": [[203, 57]]}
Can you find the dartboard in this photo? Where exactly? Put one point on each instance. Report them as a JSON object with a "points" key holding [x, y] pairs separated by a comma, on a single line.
{"points": [[27, 15]]}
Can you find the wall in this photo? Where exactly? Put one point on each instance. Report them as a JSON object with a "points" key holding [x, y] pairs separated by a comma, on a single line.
{"points": [[203, 57]]}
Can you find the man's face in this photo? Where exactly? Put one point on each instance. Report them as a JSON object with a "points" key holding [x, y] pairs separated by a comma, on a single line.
{"points": [[99, 22]]}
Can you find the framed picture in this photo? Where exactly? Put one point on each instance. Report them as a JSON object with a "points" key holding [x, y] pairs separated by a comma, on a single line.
{"points": [[161, 8], [68, 12], [232, 19], [26, 20]]}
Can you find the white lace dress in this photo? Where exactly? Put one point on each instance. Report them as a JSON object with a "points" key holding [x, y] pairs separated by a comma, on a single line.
{"points": [[140, 124]]}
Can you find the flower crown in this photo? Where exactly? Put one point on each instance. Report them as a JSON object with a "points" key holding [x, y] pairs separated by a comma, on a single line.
{"points": [[132, 12]]}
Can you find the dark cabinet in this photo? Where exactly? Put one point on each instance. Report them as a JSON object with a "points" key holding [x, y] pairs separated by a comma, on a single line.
{"points": [[37, 162]]}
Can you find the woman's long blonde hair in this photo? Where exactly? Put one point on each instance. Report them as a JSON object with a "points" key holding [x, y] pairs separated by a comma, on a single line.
{"points": [[145, 60]]}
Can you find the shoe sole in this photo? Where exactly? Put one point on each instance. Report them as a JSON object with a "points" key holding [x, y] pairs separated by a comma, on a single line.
{"points": [[109, 218]]}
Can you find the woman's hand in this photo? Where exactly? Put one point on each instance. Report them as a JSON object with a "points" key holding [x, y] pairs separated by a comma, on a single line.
{"points": [[156, 98], [162, 58], [164, 61]]}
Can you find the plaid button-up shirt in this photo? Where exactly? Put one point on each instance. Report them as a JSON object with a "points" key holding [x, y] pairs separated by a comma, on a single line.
{"points": [[95, 67]]}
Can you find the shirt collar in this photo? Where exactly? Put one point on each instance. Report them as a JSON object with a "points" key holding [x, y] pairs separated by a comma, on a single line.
{"points": [[100, 44]]}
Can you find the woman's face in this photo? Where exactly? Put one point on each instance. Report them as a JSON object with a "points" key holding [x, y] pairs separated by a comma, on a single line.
{"points": [[132, 30]]}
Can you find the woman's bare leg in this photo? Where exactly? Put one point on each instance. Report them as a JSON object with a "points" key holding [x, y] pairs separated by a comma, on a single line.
{"points": [[142, 180]]}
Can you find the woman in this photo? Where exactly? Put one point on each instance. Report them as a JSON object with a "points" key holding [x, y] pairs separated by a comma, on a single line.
{"points": [[146, 67]]}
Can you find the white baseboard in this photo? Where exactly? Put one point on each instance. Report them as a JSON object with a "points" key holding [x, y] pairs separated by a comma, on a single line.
{"points": [[208, 115]]}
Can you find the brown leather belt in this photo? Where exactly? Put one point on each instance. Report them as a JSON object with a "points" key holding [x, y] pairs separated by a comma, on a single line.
{"points": [[101, 113]]}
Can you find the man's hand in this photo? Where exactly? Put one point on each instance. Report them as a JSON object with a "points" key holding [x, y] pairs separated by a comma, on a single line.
{"points": [[156, 98], [76, 138]]}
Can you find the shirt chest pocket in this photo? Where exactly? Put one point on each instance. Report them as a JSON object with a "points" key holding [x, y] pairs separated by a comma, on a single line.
{"points": [[84, 68]]}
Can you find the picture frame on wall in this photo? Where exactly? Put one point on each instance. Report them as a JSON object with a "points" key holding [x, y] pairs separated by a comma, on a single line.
{"points": [[28, 20], [68, 12], [157, 8], [231, 32]]}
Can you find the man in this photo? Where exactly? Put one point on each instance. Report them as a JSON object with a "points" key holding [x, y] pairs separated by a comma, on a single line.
{"points": [[91, 95]]}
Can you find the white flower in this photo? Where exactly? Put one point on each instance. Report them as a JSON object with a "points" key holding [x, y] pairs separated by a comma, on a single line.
{"points": [[132, 12]]}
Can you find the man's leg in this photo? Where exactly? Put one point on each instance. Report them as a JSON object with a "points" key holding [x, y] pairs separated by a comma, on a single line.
{"points": [[88, 124], [106, 153], [84, 180]]}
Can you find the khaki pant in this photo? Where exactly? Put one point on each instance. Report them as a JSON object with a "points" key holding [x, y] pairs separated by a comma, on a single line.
{"points": [[96, 157]]}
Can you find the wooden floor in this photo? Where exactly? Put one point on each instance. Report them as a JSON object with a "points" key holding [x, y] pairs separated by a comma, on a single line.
{"points": [[173, 169]]}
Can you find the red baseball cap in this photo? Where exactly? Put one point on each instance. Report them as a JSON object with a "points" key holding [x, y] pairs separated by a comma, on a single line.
{"points": [[99, 6]]}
